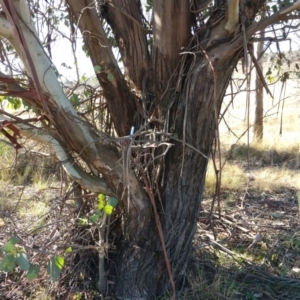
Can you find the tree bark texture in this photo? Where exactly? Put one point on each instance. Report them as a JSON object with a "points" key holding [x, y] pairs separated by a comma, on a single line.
{"points": [[125, 19], [181, 190], [258, 128]]}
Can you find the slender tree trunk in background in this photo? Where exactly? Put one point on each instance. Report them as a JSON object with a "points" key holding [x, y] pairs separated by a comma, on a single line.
{"points": [[258, 128]]}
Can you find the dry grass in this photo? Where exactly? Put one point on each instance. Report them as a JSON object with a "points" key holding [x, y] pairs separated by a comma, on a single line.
{"points": [[272, 164], [233, 178], [7, 154], [32, 165], [274, 179]]}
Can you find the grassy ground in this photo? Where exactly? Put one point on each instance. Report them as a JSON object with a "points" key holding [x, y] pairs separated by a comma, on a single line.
{"points": [[249, 250]]}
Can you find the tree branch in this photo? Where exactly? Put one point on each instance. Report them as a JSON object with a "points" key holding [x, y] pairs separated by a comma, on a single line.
{"points": [[5, 28], [218, 58], [125, 19], [57, 100], [291, 8], [92, 183], [76, 134], [42, 64], [171, 29], [121, 102]]}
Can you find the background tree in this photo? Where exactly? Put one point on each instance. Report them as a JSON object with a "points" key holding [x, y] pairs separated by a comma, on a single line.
{"points": [[258, 128], [176, 71]]}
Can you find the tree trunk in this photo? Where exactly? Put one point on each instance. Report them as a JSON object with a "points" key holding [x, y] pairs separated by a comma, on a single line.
{"points": [[259, 107], [140, 261]]}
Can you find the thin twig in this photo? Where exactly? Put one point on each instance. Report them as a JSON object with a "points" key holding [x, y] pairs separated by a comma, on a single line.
{"points": [[161, 236]]}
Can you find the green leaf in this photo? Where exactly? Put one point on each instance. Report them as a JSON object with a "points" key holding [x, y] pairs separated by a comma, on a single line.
{"points": [[27, 106], [95, 217], [297, 243], [14, 103], [9, 246], [84, 49], [101, 201], [22, 261], [84, 78], [87, 93], [108, 209], [149, 5], [69, 250], [15, 240], [33, 272], [271, 79], [274, 8], [74, 100], [269, 72], [297, 66], [8, 263], [55, 266], [110, 76], [59, 261], [112, 201], [97, 69]]}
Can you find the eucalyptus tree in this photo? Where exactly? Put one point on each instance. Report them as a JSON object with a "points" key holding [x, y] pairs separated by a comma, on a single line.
{"points": [[163, 105]]}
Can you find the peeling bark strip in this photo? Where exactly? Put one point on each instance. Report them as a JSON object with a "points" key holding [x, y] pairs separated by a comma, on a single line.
{"points": [[232, 15], [168, 41], [171, 30], [189, 77]]}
